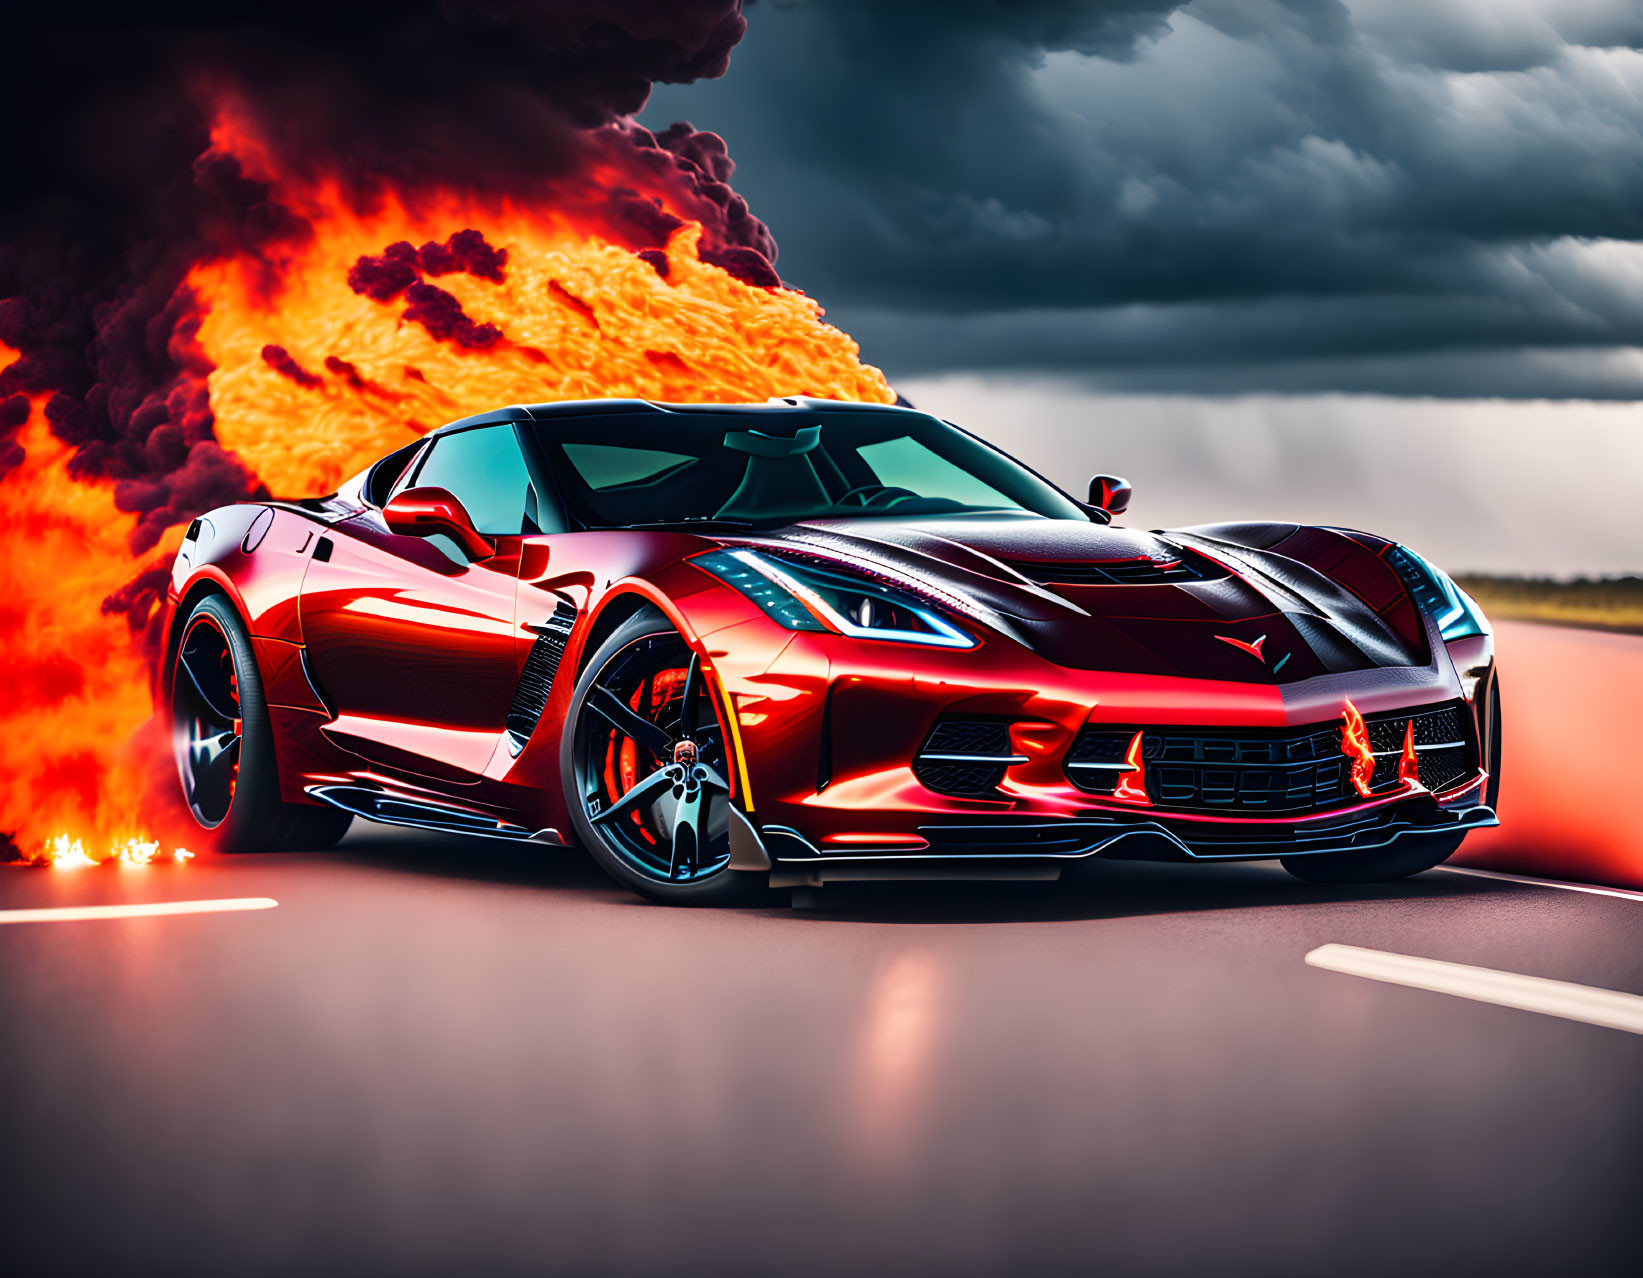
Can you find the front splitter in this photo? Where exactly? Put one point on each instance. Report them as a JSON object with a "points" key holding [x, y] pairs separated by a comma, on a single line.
{"points": [[1002, 850]]}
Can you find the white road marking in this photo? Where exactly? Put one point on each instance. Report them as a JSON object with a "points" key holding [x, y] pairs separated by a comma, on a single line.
{"points": [[1506, 989], [77, 913], [1623, 893]]}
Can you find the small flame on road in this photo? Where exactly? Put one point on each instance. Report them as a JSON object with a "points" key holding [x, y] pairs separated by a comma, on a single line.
{"points": [[65, 852], [312, 356]]}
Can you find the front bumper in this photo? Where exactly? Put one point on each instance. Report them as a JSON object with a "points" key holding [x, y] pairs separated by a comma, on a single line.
{"points": [[1003, 848], [830, 729]]}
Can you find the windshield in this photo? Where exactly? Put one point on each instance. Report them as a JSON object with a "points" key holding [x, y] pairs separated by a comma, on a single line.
{"points": [[756, 469]]}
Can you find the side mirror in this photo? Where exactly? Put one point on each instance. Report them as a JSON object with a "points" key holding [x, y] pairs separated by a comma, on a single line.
{"points": [[1111, 494], [424, 512]]}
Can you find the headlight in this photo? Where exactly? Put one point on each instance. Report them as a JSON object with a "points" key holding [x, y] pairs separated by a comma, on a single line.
{"points": [[804, 597], [1457, 616]]}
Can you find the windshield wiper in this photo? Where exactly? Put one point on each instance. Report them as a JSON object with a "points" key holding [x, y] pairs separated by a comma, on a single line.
{"points": [[694, 521]]}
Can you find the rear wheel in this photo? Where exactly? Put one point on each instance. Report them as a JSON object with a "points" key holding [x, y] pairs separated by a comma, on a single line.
{"points": [[224, 743], [1376, 865], [646, 770]]}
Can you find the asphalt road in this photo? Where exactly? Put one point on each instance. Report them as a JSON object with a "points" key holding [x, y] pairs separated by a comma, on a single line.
{"points": [[448, 1058]]}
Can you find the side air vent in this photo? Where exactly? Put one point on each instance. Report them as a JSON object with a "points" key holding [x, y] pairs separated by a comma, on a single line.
{"points": [[966, 757], [1096, 760], [536, 679], [1121, 572], [378, 805]]}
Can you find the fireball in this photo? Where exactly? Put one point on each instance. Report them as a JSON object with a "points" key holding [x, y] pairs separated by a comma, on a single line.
{"points": [[349, 329]]}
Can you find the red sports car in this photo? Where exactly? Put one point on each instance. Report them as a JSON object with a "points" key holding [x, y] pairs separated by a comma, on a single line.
{"points": [[732, 648]]}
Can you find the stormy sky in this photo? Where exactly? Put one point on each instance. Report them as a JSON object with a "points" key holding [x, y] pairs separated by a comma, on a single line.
{"points": [[1233, 216], [1416, 196]]}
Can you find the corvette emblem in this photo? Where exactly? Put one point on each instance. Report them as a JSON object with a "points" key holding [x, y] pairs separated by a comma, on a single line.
{"points": [[1254, 649]]}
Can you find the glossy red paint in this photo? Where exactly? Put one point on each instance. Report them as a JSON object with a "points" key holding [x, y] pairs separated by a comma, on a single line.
{"points": [[389, 660], [910, 842], [418, 654], [413, 648], [424, 512]]}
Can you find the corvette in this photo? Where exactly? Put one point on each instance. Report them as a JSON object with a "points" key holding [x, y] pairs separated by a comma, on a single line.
{"points": [[729, 648]]}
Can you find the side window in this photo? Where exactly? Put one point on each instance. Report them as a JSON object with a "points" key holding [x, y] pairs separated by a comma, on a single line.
{"points": [[387, 473], [482, 469]]}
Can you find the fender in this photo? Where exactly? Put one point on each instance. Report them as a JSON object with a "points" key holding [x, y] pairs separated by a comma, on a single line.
{"points": [[255, 555], [697, 606]]}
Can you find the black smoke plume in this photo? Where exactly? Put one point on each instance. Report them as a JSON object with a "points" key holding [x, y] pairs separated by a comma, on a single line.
{"points": [[112, 192]]}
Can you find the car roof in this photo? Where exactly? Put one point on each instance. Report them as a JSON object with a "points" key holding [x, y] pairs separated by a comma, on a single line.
{"points": [[791, 405]]}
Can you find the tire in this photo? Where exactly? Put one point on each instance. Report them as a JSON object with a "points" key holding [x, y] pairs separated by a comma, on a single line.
{"points": [[225, 760], [650, 846], [1376, 865]]}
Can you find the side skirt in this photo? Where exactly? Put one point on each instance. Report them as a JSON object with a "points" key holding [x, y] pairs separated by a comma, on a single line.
{"points": [[392, 809]]}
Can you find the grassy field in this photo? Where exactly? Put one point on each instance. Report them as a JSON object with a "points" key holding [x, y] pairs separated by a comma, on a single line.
{"points": [[1610, 603]]}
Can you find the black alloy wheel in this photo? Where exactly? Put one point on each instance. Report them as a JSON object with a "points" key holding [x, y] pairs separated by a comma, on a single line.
{"points": [[647, 769], [224, 743], [205, 703]]}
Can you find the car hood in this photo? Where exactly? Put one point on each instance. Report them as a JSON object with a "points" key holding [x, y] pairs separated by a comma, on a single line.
{"points": [[1091, 596]]}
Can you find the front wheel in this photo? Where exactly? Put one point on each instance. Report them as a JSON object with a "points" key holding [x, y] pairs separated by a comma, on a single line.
{"points": [[646, 770], [1376, 865]]}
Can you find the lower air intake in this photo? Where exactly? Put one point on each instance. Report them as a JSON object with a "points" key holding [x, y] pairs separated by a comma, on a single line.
{"points": [[965, 758]]}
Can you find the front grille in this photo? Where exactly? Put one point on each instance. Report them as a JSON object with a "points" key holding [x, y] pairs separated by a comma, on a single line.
{"points": [[964, 757], [1442, 747], [1119, 572], [1258, 772]]}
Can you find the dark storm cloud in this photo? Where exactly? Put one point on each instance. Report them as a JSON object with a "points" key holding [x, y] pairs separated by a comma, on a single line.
{"points": [[110, 189], [1215, 193]]}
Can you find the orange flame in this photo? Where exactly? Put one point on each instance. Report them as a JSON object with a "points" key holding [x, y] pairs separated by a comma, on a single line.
{"points": [[76, 688], [65, 852], [1409, 766], [1355, 745], [1132, 784], [579, 316]]}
